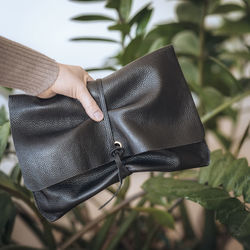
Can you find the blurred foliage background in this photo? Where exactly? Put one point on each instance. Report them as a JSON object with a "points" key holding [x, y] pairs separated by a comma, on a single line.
{"points": [[215, 62]]}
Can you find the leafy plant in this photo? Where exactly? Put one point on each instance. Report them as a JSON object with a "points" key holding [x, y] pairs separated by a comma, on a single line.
{"points": [[213, 60]]}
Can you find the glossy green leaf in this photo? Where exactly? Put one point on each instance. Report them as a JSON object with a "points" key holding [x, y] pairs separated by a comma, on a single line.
{"points": [[130, 52], [224, 106], [6, 90], [226, 8], [169, 30], [162, 35], [229, 211], [233, 214], [162, 217], [94, 39], [189, 12], [7, 217], [100, 69], [7, 184], [4, 136], [3, 116], [113, 4], [157, 44], [124, 28], [141, 18], [96, 17], [186, 42], [245, 135], [190, 71], [224, 170], [226, 55], [16, 174], [211, 98], [224, 67], [124, 8], [234, 28], [208, 197]]}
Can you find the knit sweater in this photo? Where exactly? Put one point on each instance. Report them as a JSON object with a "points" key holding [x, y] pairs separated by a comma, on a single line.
{"points": [[24, 68]]}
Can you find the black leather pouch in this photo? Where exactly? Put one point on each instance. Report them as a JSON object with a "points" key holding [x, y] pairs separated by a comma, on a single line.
{"points": [[150, 124]]}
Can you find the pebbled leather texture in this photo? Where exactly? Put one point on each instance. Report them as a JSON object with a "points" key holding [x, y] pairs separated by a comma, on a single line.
{"points": [[65, 156]]}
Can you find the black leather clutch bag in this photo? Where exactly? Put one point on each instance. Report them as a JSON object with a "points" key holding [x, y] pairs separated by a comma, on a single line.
{"points": [[150, 124]]}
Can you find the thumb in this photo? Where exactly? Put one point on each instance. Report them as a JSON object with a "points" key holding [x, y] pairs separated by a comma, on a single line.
{"points": [[89, 104]]}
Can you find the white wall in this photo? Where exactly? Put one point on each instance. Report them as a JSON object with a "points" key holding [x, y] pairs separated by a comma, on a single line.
{"points": [[45, 26]]}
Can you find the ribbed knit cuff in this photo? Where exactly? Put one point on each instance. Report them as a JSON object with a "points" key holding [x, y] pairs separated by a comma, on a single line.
{"points": [[24, 68]]}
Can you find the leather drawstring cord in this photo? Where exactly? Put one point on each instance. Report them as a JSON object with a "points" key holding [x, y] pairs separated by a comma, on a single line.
{"points": [[116, 153], [118, 150]]}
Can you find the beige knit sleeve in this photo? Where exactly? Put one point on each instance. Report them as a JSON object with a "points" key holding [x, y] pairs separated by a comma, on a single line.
{"points": [[24, 68]]}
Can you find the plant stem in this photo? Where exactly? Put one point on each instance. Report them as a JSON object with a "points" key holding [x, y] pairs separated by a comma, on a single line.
{"points": [[223, 106], [94, 222]]}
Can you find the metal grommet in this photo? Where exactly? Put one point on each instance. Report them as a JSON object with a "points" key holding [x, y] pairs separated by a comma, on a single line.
{"points": [[117, 143]]}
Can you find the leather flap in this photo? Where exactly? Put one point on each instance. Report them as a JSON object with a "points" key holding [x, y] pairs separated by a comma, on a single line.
{"points": [[149, 106]]}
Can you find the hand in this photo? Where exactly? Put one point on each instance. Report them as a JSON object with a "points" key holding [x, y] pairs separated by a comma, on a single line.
{"points": [[72, 81]]}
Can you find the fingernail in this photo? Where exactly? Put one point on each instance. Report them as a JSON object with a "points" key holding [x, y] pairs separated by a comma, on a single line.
{"points": [[98, 115]]}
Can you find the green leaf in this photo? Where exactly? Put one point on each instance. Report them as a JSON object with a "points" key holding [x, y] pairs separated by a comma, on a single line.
{"points": [[162, 217], [6, 90], [94, 39], [130, 52], [125, 8], [96, 17], [113, 4], [189, 12], [162, 35], [208, 197], [234, 28], [243, 138], [141, 18], [14, 189], [211, 98], [223, 107], [230, 173], [124, 28], [3, 116], [190, 71], [224, 67], [16, 174], [186, 42], [226, 8], [99, 69], [229, 211], [157, 44], [4, 136], [226, 55], [7, 217], [233, 214]]}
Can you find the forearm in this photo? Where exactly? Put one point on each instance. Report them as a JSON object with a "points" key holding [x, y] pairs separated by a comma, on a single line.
{"points": [[24, 68]]}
